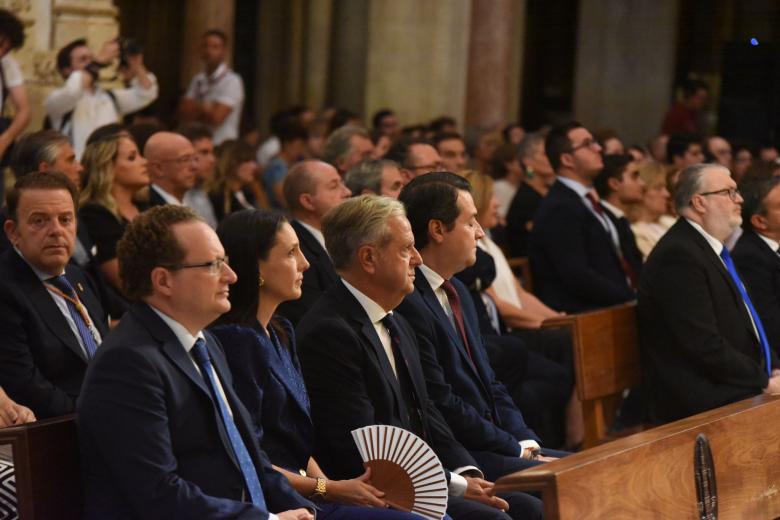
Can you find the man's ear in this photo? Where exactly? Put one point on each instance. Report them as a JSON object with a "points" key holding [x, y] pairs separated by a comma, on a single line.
{"points": [[567, 160], [161, 281], [367, 256], [759, 222], [11, 231], [304, 199], [436, 231], [614, 183]]}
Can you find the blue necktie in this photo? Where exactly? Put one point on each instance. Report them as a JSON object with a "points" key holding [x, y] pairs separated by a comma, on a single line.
{"points": [[73, 302], [201, 355], [724, 254]]}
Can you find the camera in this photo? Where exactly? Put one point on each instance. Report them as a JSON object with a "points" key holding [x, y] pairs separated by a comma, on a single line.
{"points": [[128, 47]]}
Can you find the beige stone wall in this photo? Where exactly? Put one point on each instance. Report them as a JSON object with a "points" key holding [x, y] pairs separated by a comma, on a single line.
{"points": [[51, 24]]}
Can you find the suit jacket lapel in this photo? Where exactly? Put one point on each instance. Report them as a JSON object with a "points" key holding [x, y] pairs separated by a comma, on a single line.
{"points": [[281, 374], [594, 220], [430, 299]]}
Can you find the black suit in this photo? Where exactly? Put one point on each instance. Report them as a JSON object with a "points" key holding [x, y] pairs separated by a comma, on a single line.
{"points": [[759, 268], [153, 444], [351, 384], [42, 362], [699, 350], [316, 279], [573, 258], [628, 247], [155, 199]]}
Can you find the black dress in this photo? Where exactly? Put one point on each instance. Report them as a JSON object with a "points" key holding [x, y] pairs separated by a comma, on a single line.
{"points": [[519, 218]]}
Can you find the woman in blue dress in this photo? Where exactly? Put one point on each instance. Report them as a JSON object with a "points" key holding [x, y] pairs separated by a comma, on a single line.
{"points": [[264, 252]]}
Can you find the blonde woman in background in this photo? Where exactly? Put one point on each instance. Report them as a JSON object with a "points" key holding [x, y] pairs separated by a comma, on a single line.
{"points": [[650, 219], [115, 171], [233, 186]]}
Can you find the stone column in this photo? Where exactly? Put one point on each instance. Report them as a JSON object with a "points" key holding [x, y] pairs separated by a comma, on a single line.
{"points": [[198, 17], [625, 65], [491, 68], [417, 58]]}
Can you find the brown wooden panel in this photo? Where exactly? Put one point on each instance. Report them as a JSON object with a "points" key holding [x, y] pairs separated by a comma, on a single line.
{"points": [[46, 464], [650, 474]]}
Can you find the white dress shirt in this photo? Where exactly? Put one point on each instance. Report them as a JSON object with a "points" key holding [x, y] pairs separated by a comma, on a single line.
{"points": [[225, 87]]}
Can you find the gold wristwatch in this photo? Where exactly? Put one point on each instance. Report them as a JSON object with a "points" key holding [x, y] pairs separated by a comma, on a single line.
{"points": [[320, 489]]}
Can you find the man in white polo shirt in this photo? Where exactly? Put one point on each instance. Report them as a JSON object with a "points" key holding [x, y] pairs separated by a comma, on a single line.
{"points": [[215, 96]]}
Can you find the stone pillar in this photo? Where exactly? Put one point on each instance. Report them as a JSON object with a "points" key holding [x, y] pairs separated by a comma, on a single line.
{"points": [[198, 17], [349, 47], [417, 58], [491, 69], [625, 65], [317, 57]]}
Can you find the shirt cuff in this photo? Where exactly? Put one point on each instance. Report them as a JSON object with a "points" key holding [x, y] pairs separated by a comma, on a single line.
{"points": [[526, 444], [458, 484], [272, 516]]}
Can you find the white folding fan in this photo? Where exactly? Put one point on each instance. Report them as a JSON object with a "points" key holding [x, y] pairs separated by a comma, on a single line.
{"points": [[405, 468]]}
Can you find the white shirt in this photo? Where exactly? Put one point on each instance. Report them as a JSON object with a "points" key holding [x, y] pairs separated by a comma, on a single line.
{"points": [[375, 313], [718, 246], [583, 191], [504, 192], [268, 150], [12, 74], [315, 232], [93, 108], [504, 283], [435, 280], [62, 305], [199, 202], [167, 197], [225, 87]]}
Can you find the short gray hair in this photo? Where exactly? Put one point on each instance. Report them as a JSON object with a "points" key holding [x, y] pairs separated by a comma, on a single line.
{"points": [[528, 146], [690, 183], [339, 143], [367, 175], [357, 222]]}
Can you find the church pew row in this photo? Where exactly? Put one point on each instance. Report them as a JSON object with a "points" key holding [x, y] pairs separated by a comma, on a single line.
{"points": [[651, 474]]}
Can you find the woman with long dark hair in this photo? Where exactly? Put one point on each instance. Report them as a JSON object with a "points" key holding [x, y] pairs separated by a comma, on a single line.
{"points": [[260, 347]]}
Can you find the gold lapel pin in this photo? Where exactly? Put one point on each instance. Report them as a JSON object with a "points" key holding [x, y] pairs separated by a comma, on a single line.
{"points": [[78, 284]]}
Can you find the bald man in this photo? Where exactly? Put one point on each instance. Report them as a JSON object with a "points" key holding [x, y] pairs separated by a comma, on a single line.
{"points": [[172, 164]]}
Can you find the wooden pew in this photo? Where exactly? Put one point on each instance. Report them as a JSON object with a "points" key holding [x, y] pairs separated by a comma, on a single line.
{"points": [[522, 269], [46, 464], [606, 362], [651, 474]]}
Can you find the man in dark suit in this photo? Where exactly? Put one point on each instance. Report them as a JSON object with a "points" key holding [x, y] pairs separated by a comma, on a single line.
{"points": [[163, 434], [311, 189], [703, 344], [572, 249], [756, 253], [173, 165], [619, 186], [457, 371], [51, 320], [361, 362]]}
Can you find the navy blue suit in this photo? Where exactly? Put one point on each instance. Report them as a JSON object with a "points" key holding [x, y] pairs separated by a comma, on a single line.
{"points": [[42, 362], [474, 403], [152, 442], [573, 259]]}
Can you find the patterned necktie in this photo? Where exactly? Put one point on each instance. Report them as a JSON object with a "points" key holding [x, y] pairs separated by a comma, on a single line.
{"points": [[724, 254], [248, 471], [293, 376], [454, 299], [77, 311]]}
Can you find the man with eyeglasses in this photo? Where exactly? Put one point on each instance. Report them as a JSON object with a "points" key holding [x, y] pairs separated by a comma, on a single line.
{"points": [[172, 165], [703, 343], [416, 157], [574, 248], [51, 319], [163, 435]]}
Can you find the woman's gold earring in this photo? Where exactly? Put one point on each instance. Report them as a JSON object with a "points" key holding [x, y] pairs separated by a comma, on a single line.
{"points": [[262, 282]]}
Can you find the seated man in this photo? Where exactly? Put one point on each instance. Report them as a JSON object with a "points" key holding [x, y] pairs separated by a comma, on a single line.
{"points": [[702, 343], [756, 254], [575, 251], [361, 361], [173, 166], [51, 320], [457, 371], [163, 434]]}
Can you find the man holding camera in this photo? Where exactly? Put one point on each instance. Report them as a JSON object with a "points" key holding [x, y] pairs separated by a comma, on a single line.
{"points": [[81, 105]]}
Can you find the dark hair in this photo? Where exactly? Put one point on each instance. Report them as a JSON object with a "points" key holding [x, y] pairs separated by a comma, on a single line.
{"points": [[247, 236], [614, 166], [399, 152], [195, 132], [379, 115], [341, 118], [33, 149], [218, 33], [446, 136], [148, 242], [557, 143], [141, 132], [691, 86], [755, 194], [292, 131], [63, 55], [678, 144], [507, 131], [104, 131], [12, 28], [40, 181], [437, 125], [708, 155], [432, 197], [505, 153]]}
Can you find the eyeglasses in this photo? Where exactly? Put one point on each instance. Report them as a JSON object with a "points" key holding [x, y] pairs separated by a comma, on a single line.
{"points": [[733, 193], [214, 267], [181, 161], [587, 143], [434, 167]]}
